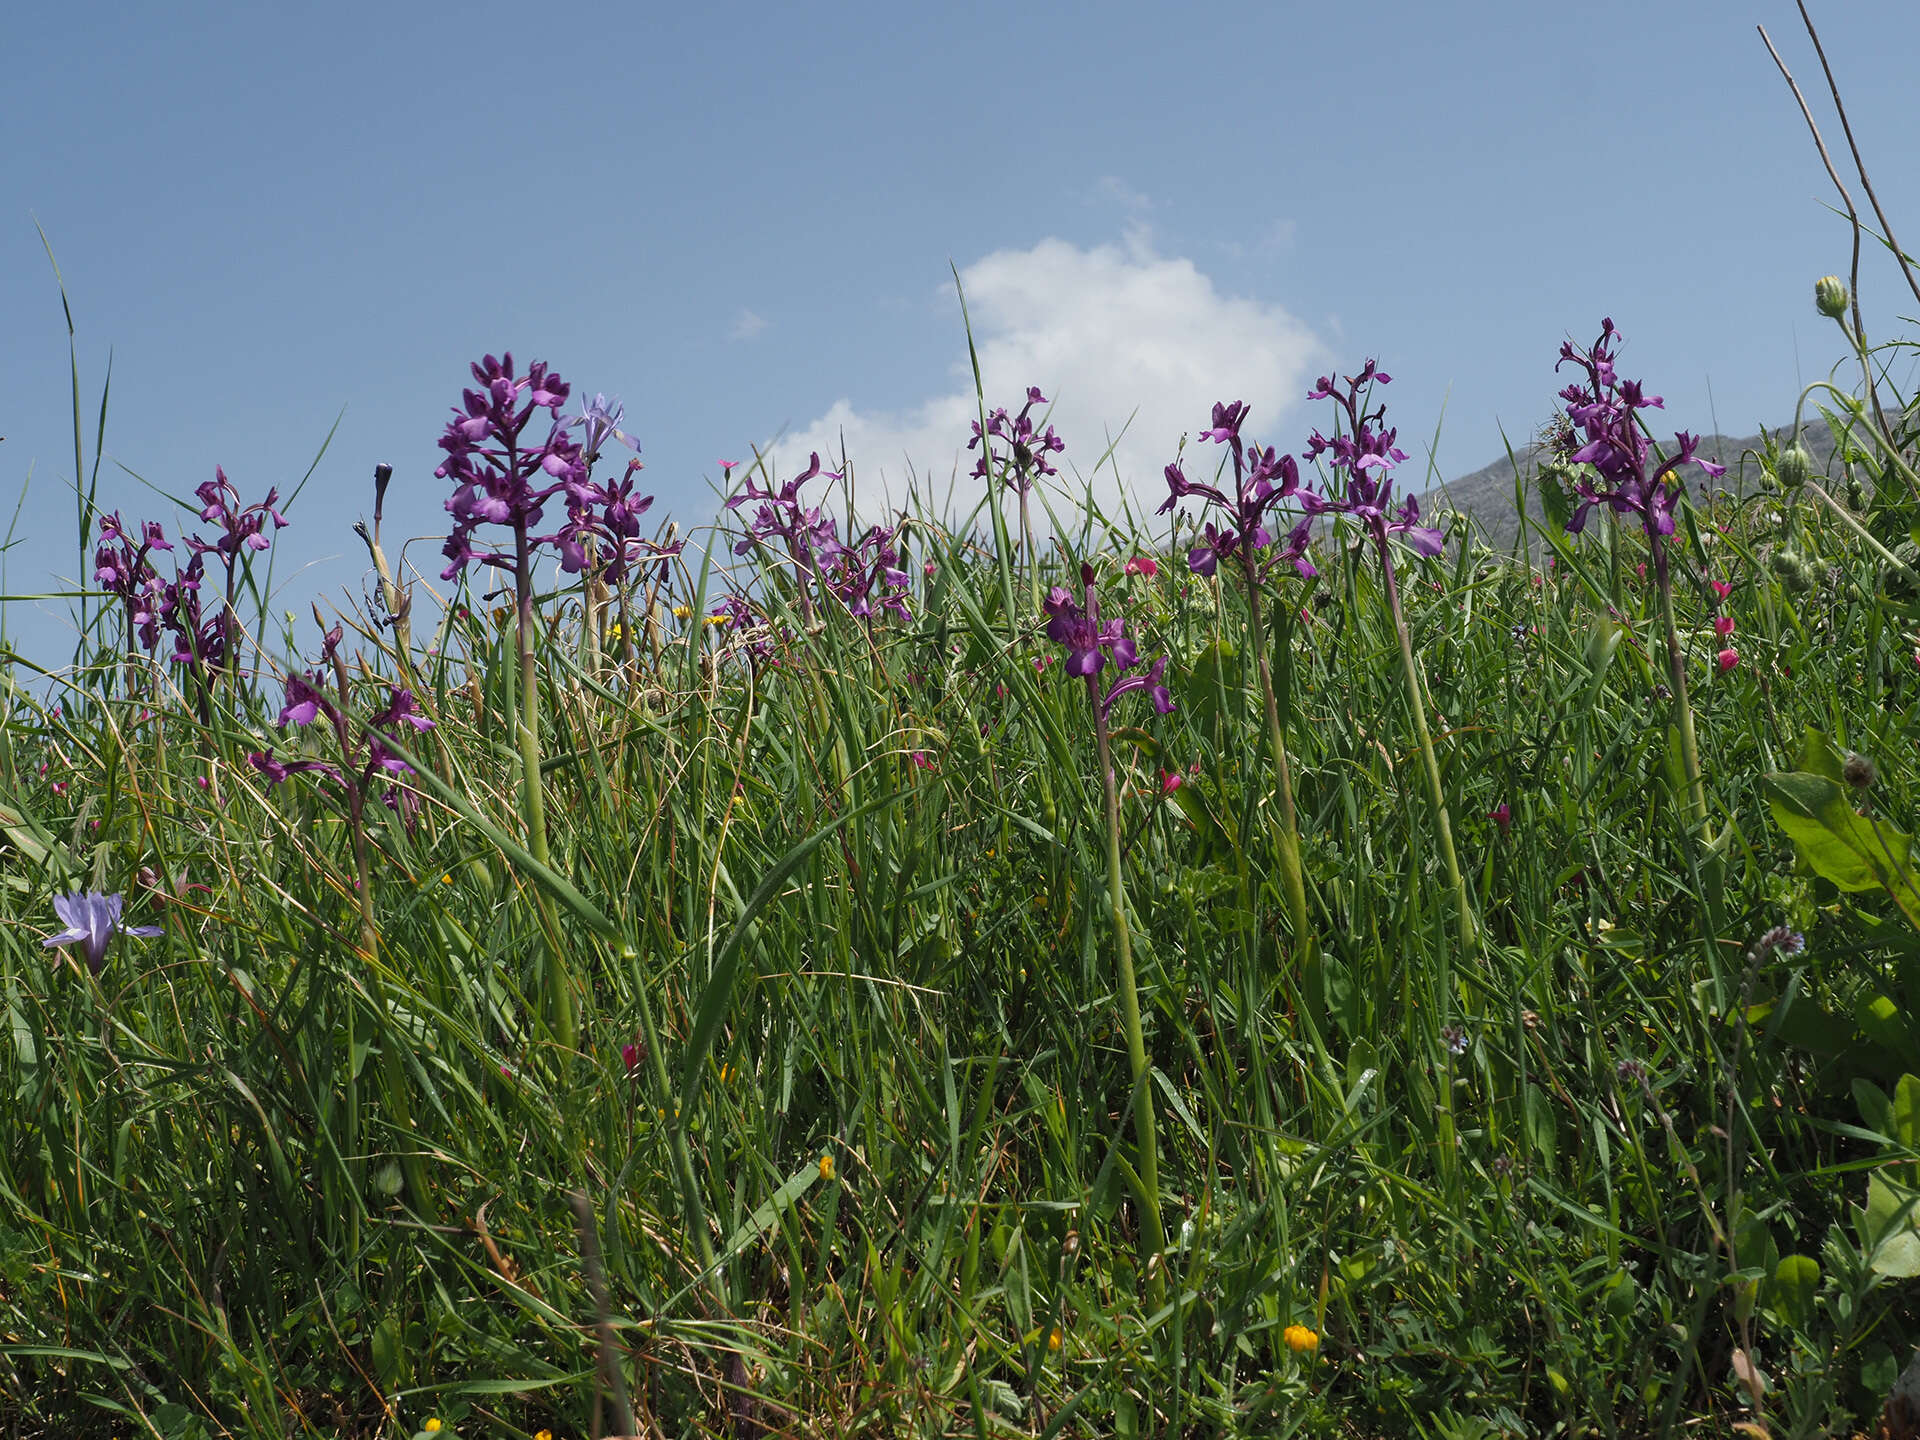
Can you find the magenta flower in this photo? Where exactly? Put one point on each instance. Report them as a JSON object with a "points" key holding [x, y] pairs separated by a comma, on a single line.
{"points": [[1261, 480], [500, 479], [1091, 642], [1027, 452], [220, 503], [1602, 413], [124, 571], [1365, 455], [92, 919]]}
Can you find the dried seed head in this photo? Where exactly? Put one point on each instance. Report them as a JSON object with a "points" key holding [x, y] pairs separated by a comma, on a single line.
{"points": [[1857, 771]]}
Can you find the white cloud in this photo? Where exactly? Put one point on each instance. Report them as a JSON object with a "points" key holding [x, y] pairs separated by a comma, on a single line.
{"points": [[1113, 188], [1107, 333], [748, 325]]}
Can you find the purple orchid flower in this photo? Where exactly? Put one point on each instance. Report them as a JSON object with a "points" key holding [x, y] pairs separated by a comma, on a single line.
{"points": [[92, 920], [1366, 456], [220, 504], [1261, 480], [124, 570], [277, 772], [1026, 451], [1091, 642], [1602, 414], [499, 479], [850, 573], [812, 540]]}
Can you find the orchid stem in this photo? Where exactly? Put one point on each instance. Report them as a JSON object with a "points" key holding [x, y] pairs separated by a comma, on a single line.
{"points": [[1436, 792], [1292, 880], [559, 984], [1152, 1232]]}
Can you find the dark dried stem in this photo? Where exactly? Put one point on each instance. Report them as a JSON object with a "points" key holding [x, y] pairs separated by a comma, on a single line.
{"points": [[1886, 226], [1853, 216]]}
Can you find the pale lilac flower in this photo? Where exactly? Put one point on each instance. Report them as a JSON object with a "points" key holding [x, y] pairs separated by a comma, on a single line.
{"points": [[92, 920], [601, 423]]}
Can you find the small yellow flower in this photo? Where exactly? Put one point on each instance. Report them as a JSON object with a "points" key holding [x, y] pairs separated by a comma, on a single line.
{"points": [[1300, 1339], [432, 1427], [543, 1435], [826, 1167], [446, 879], [682, 612], [1053, 1341]]}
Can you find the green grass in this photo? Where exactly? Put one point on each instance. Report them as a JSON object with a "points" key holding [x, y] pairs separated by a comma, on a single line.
{"points": [[262, 1179]]}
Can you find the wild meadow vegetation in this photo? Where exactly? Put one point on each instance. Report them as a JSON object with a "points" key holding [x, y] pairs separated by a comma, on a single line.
{"points": [[1277, 966]]}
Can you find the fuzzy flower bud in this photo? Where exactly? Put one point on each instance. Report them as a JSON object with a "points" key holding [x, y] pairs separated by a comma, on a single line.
{"points": [[1857, 772], [1796, 575], [1794, 467], [1830, 296]]}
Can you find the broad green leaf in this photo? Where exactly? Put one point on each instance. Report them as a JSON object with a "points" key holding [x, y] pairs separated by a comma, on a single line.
{"points": [[1905, 1115], [1879, 1018], [1887, 1228], [1818, 757], [1876, 1110], [1854, 851], [1790, 1294]]}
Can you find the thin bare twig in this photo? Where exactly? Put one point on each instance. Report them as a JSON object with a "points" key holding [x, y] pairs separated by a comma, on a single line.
{"points": [[1886, 226], [1853, 217]]}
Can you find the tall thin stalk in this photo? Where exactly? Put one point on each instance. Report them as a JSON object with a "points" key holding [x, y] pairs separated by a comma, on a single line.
{"points": [[1145, 1130], [1430, 766], [1292, 878]]}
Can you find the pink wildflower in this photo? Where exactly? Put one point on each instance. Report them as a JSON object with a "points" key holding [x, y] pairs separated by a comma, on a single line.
{"points": [[1727, 659]]}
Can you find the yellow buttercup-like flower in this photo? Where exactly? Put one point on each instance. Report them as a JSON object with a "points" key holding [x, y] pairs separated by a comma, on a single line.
{"points": [[826, 1167], [1300, 1339]]}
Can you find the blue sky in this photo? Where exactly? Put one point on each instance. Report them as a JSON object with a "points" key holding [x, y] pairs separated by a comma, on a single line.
{"points": [[740, 220]]}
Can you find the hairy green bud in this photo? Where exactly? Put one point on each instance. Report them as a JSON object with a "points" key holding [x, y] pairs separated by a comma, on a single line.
{"points": [[1794, 467], [1830, 296], [1795, 573]]}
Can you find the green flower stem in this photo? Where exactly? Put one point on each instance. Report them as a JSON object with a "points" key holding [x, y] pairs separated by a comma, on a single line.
{"points": [[1152, 1232], [559, 984], [1887, 447], [695, 1213], [1443, 823], [1841, 512], [1682, 707], [1292, 880]]}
